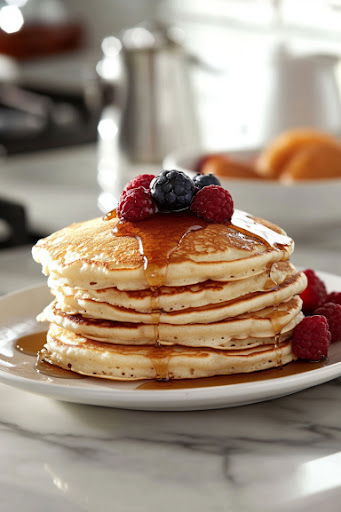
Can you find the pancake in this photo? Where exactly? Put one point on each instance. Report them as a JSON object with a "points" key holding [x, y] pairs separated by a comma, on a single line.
{"points": [[266, 323], [204, 314], [91, 255], [180, 297], [87, 357]]}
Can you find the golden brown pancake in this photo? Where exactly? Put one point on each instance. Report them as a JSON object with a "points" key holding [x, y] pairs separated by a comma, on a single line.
{"points": [[208, 313], [178, 297], [117, 362], [90, 255], [266, 323]]}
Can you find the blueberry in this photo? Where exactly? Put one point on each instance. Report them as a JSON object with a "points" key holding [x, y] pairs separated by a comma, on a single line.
{"points": [[203, 180], [172, 191]]}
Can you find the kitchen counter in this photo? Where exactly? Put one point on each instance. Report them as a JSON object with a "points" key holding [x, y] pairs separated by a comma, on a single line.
{"points": [[59, 187], [276, 456]]}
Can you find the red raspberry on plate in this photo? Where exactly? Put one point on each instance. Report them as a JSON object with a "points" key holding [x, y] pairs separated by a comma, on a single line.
{"points": [[332, 312], [142, 180], [334, 297], [136, 204], [315, 294], [213, 203], [311, 338]]}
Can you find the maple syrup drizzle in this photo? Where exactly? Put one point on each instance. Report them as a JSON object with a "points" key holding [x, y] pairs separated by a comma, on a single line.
{"points": [[244, 223], [239, 378], [160, 235], [160, 362], [110, 215], [32, 345], [275, 317]]}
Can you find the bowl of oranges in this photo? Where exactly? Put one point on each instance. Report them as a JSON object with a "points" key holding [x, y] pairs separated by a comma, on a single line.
{"points": [[295, 180]]}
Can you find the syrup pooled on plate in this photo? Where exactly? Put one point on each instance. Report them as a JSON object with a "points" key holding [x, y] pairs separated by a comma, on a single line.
{"points": [[32, 345], [239, 378]]}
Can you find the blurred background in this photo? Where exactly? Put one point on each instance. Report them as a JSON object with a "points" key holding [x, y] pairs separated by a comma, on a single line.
{"points": [[92, 93]]}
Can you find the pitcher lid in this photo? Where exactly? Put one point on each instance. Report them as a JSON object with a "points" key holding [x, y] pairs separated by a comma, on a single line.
{"points": [[151, 35]]}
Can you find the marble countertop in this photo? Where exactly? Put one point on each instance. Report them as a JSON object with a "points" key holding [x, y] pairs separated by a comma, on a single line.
{"points": [[276, 456]]}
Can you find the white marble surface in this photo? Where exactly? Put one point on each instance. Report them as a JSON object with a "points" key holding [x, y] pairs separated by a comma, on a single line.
{"points": [[276, 456], [272, 457]]}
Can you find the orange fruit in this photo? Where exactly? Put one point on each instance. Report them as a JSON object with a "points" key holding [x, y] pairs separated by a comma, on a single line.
{"points": [[227, 167], [275, 157], [313, 162]]}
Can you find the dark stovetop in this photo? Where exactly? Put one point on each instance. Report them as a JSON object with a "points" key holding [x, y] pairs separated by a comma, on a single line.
{"points": [[56, 120], [33, 120]]}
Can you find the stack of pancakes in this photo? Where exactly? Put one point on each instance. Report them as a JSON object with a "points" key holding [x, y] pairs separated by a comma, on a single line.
{"points": [[225, 301]]}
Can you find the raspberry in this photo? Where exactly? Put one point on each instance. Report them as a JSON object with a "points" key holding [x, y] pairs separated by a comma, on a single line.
{"points": [[142, 180], [315, 294], [203, 180], [334, 297], [311, 338], [172, 191], [213, 203], [332, 312], [136, 204]]}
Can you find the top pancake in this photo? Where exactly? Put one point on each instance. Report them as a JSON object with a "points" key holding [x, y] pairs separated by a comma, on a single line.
{"points": [[90, 255]]}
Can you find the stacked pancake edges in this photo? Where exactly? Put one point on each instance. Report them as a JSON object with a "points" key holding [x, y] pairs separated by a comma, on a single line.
{"points": [[170, 297]]}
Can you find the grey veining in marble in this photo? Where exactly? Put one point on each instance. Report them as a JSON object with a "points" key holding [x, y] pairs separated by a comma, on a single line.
{"points": [[280, 455]]}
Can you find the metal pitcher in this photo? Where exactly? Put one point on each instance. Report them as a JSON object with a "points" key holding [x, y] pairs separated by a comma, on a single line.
{"points": [[154, 92]]}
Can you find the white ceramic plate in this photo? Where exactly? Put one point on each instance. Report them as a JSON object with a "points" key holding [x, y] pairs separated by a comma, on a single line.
{"points": [[17, 318], [292, 206]]}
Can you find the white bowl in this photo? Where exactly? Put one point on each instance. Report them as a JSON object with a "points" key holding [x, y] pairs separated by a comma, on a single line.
{"points": [[299, 208]]}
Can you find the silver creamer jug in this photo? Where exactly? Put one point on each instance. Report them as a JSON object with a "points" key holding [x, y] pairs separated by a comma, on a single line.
{"points": [[158, 107]]}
